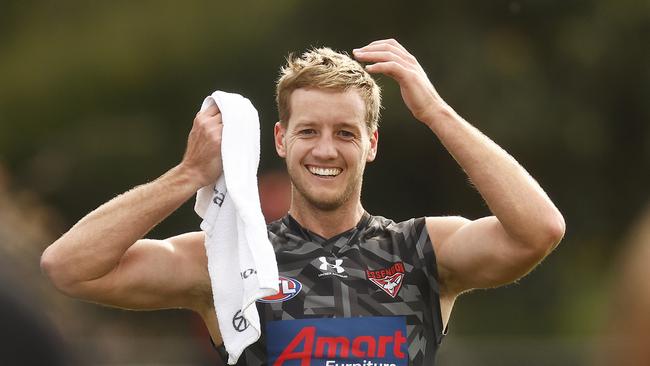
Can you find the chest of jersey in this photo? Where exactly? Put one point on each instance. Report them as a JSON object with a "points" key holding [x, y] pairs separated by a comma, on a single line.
{"points": [[350, 283], [365, 296]]}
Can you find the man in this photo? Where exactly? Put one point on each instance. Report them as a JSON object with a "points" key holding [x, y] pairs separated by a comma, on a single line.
{"points": [[624, 338], [394, 284]]}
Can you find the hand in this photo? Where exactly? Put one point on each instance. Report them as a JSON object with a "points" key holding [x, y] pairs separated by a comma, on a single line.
{"points": [[203, 153], [391, 58]]}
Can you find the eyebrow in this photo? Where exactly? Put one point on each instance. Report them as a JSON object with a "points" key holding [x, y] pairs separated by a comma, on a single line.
{"points": [[348, 125]]}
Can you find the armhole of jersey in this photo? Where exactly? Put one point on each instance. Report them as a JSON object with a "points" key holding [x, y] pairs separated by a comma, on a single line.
{"points": [[427, 255]]}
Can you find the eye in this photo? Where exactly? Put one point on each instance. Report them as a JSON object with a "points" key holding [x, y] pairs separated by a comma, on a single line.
{"points": [[346, 134], [307, 132]]}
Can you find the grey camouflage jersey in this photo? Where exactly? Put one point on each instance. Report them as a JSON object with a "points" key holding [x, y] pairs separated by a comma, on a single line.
{"points": [[377, 269]]}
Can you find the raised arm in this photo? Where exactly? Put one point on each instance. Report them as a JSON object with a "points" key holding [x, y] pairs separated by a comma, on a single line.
{"points": [[103, 258], [526, 225]]}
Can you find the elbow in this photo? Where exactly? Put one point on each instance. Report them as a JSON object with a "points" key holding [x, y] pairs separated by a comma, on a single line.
{"points": [[50, 266], [557, 228], [48, 263], [53, 269], [542, 235], [551, 232]]}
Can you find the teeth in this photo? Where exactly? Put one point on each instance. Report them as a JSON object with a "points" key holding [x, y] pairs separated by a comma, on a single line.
{"points": [[331, 172]]}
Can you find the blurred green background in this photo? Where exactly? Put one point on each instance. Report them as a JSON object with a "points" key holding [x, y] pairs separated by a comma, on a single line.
{"points": [[97, 97]]}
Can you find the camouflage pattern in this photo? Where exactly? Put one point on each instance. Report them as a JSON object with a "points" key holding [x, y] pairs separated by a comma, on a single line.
{"points": [[334, 274]]}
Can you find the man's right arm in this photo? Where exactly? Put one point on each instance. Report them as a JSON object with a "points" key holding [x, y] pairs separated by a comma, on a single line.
{"points": [[104, 259]]}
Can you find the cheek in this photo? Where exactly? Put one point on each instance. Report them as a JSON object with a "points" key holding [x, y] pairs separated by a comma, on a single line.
{"points": [[355, 154], [295, 151]]}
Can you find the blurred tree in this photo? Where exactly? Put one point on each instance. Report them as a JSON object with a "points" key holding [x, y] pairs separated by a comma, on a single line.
{"points": [[97, 97]]}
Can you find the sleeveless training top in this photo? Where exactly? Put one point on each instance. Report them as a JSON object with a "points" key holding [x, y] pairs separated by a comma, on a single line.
{"points": [[366, 297]]}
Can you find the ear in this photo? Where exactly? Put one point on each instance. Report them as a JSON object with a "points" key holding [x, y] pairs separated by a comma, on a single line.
{"points": [[278, 136], [374, 141]]}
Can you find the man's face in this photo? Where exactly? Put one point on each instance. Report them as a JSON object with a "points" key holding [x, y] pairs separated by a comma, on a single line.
{"points": [[326, 146]]}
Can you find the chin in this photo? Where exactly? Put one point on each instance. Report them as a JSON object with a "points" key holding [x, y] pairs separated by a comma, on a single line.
{"points": [[325, 205], [323, 201]]}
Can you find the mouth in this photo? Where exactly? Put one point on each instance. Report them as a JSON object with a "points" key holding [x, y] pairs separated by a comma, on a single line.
{"points": [[324, 172]]}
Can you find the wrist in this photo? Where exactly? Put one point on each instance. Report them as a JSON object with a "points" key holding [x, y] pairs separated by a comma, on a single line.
{"points": [[439, 115], [187, 176]]}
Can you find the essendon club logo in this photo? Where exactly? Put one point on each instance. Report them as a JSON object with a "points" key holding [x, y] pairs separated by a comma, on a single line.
{"points": [[288, 289], [388, 279], [363, 341]]}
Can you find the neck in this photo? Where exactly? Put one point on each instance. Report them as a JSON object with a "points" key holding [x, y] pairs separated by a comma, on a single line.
{"points": [[327, 223]]}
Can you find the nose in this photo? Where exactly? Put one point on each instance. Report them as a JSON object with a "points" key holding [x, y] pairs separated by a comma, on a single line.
{"points": [[324, 149]]}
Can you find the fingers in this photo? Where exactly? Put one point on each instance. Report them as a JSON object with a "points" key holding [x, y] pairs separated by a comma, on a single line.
{"points": [[390, 46], [392, 59], [208, 117], [388, 57], [379, 56], [211, 123], [203, 150], [213, 119], [390, 41], [212, 110], [204, 139], [391, 68]]}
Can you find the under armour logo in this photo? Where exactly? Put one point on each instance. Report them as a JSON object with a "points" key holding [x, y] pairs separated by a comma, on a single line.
{"points": [[218, 197], [331, 269], [325, 265]]}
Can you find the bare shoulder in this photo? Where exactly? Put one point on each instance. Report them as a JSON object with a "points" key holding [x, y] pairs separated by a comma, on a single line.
{"points": [[192, 245], [479, 253], [441, 227]]}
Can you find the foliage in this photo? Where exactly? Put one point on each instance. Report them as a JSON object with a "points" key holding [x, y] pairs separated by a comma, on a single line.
{"points": [[96, 97]]}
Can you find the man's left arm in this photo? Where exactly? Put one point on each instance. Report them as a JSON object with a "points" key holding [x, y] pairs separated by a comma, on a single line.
{"points": [[526, 225]]}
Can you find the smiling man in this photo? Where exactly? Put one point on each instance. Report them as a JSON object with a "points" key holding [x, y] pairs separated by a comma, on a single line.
{"points": [[326, 148], [354, 288]]}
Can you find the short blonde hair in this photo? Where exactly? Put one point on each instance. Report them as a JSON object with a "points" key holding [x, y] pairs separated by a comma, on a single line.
{"points": [[327, 69]]}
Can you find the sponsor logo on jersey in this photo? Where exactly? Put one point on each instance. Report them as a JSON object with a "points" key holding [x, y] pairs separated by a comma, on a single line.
{"points": [[288, 289], [331, 269], [365, 341], [388, 279]]}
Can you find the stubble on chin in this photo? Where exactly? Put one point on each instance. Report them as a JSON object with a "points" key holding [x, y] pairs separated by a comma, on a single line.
{"points": [[326, 204]]}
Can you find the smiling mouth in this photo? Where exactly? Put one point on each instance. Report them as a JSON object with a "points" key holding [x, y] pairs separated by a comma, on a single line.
{"points": [[324, 172]]}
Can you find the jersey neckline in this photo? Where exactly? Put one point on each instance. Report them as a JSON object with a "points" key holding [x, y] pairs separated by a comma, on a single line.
{"points": [[293, 225]]}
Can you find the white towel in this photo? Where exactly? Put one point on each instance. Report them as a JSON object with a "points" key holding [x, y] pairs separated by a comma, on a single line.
{"points": [[241, 260]]}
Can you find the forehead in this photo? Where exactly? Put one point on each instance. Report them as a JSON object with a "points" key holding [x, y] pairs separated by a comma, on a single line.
{"points": [[310, 105]]}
